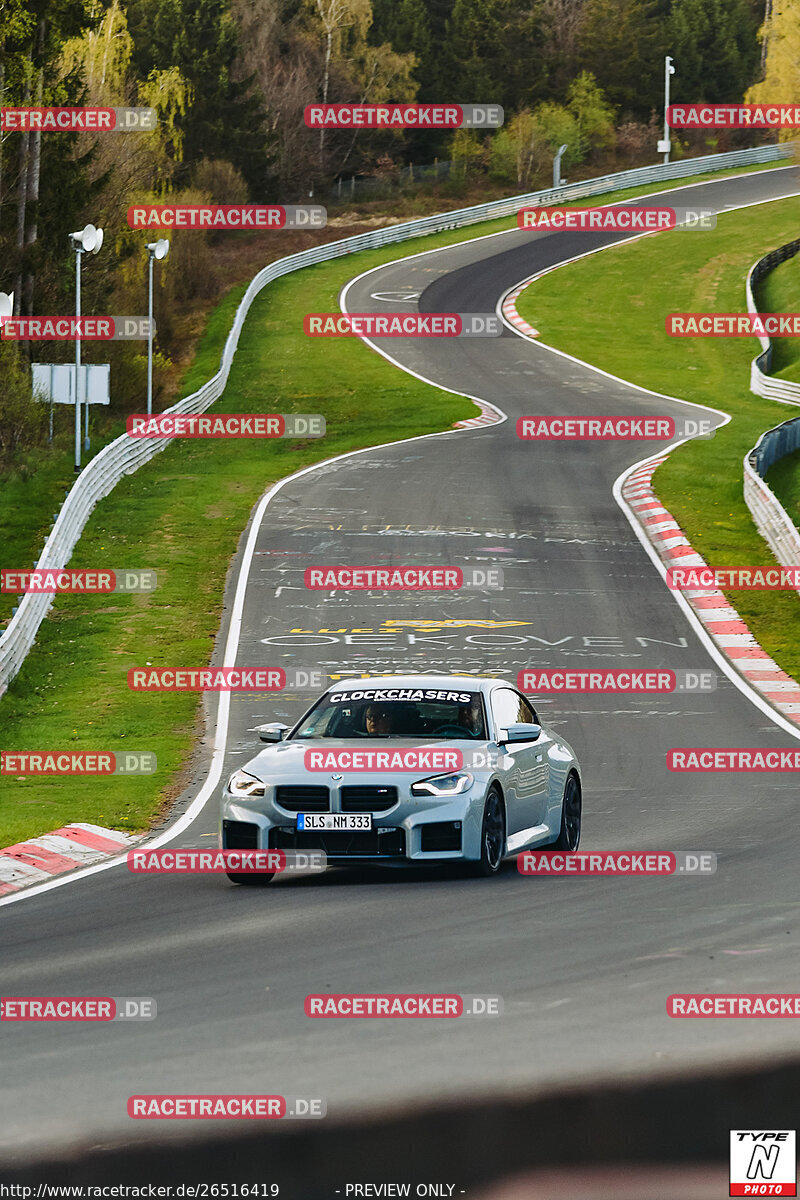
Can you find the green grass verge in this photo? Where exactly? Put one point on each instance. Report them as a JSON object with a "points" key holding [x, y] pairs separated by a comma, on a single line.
{"points": [[182, 514], [784, 479], [632, 288], [779, 291]]}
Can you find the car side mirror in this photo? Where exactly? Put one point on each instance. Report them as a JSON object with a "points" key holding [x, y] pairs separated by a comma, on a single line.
{"points": [[273, 732], [524, 732]]}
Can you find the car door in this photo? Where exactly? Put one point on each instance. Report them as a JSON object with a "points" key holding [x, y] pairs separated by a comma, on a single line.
{"points": [[528, 767]]}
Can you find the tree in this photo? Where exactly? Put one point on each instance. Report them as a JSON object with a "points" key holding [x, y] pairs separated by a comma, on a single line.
{"points": [[23, 421], [279, 53], [31, 40], [527, 144], [465, 152], [715, 48], [473, 54], [623, 44], [404, 25], [380, 74], [553, 126], [15, 28], [335, 19], [363, 72], [781, 37], [514, 150], [594, 117], [562, 23], [200, 39]]}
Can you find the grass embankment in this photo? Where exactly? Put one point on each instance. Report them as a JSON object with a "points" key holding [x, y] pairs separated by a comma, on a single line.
{"points": [[632, 288], [780, 292]]}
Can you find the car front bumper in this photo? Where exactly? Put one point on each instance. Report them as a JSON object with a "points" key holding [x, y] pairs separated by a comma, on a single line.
{"points": [[415, 829]]}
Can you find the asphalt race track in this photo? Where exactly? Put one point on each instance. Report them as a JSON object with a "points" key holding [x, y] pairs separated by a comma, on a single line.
{"points": [[584, 965]]}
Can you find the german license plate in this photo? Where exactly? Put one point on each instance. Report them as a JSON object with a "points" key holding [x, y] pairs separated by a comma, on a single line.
{"points": [[347, 822]]}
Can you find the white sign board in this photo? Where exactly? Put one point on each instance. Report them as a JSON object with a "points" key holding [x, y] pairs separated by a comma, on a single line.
{"points": [[55, 383]]}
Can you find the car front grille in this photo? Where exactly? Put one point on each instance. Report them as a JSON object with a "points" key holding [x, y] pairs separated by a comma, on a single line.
{"points": [[388, 843], [441, 836], [239, 835], [362, 799], [304, 798]]}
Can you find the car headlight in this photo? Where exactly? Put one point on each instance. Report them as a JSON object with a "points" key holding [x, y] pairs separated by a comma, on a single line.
{"points": [[443, 785], [243, 784]]}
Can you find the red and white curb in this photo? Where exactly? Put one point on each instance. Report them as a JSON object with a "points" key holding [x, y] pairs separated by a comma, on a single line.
{"points": [[65, 849], [717, 615], [509, 307], [489, 416]]}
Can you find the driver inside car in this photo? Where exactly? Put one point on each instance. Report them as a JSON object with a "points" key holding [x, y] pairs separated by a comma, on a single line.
{"points": [[378, 721], [469, 715]]}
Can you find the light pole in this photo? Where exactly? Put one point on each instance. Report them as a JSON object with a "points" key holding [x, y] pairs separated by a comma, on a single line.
{"points": [[159, 250], [668, 70], [86, 239], [557, 181], [6, 305]]}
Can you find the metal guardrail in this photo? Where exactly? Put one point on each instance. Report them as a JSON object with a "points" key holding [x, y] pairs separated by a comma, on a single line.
{"points": [[125, 455], [771, 518], [761, 383]]}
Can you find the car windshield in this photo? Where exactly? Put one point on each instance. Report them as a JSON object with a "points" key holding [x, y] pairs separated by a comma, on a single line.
{"points": [[395, 713]]}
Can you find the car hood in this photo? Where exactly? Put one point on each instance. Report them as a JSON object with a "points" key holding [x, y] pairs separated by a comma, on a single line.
{"points": [[286, 760]]}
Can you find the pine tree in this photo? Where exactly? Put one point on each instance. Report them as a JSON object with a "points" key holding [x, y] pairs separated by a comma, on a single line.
{"points": [[623, 44], [715, 48], [200, 38]]}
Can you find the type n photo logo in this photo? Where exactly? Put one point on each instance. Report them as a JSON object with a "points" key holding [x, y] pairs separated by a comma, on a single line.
{"points": [[763, 1162]]}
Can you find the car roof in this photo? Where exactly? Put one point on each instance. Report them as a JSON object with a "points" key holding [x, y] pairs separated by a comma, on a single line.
{"points": [[482, 683]]}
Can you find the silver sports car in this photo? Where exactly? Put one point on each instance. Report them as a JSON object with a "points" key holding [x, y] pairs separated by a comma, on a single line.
{"points": [[408, 769]]}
